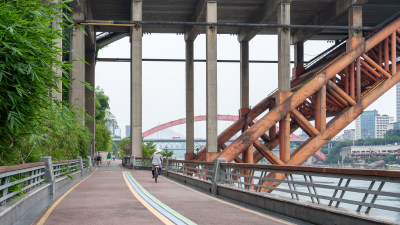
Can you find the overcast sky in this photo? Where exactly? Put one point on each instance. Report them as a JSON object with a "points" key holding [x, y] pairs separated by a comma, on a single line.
{"points": [[164, 82]]}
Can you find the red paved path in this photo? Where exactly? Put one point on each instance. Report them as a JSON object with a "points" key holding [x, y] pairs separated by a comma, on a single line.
{"points": [[104, 198]]}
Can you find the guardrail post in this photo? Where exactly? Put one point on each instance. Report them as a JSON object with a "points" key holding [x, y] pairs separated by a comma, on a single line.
{"points": [[167, 167], [216, 175], [48, 173], [90, 163], [80, 165], [133, 162]]}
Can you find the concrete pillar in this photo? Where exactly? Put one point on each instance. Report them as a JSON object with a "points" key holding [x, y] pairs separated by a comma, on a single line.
{"points": [[355, 19], [284, 77], [247, 156], [355, 38], [90, 55], [136, 80], [80, 164], [244, 74], [212, 125], [58, 94], [48, 173], [217, 175], [77, 88], [189, 101], [298, 58]]}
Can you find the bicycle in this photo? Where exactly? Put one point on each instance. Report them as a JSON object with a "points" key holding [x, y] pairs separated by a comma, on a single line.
{"points": [[156, 169]]}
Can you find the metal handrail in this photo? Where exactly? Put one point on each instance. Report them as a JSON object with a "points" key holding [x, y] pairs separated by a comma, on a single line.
{"points": [[195, 169], [325, 185], [18, 179]]}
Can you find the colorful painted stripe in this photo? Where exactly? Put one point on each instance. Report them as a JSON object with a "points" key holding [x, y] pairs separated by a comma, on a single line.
{"points": [[171, 214]]}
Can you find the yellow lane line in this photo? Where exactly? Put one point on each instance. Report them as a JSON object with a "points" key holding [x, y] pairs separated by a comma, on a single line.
{"points": [[160, 216], [50, 210], [233, 205]]}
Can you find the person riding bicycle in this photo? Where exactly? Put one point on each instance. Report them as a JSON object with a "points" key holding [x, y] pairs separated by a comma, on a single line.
{"points": [[156, 160]]}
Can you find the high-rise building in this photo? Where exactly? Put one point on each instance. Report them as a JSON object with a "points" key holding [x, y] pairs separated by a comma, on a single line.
{"points": [[382, 125], [365, 124], [349, 134], [127, 131]]}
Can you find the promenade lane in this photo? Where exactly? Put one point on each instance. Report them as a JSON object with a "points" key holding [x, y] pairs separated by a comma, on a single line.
{"points": [[104, 198], [202, 208]]}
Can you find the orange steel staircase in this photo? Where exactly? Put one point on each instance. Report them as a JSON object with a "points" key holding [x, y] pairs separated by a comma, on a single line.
{"points": [[341, 85]]}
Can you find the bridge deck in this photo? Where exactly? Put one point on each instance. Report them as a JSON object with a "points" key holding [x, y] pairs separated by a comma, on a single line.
{"points": [[106, 197]]}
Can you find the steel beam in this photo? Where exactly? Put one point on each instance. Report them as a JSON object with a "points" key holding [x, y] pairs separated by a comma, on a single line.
{"points": [[136, 80], [308, 89], [265, 14]]}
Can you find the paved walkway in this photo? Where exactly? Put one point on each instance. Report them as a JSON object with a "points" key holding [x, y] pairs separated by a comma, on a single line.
{"points": [[114, 195]]}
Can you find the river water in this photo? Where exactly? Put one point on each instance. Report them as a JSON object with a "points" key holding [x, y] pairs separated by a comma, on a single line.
{"points": [[361, 184]]}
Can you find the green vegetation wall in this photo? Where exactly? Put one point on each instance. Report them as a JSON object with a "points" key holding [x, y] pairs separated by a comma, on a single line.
{"points": [[32, 124]]}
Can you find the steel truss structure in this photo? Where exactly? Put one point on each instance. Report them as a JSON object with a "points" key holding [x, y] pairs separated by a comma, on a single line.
{"points": [[340, 85]]}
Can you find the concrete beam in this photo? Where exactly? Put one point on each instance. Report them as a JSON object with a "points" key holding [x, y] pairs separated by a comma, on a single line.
{"points": [[264, 15], [189, 99], [211, 122], [136, 80], [325, 17], [110, 39], [198, 16]]}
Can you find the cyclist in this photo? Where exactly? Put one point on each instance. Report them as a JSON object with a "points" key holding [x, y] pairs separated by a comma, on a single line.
{"points": [[156, 160]]}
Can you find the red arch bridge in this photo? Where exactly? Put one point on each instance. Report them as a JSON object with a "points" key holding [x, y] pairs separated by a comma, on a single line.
{"points": [[293, 138]]}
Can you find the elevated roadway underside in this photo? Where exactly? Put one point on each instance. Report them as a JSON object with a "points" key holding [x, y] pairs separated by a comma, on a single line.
{"points": [[303, 12]]}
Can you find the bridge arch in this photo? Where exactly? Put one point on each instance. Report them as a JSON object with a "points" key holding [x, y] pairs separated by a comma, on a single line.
{"points": [[177, 122]]}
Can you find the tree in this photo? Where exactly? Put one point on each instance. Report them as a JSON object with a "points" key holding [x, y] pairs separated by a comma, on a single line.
{"points": [[32, 123], [103, 135], [27, 55]]}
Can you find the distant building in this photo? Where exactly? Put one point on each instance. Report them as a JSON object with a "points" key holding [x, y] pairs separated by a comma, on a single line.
{"points": [[379, 151], [365, 125], [382, 125], [394, 126], [127, 131], [349, 134]]}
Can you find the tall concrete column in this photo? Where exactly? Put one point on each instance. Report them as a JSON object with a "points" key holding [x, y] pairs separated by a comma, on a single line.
{"points": [[77, 88], [284, 77], [355, 19], [298, 58], [355, 38], [244, 74], [247, 156], [90, 55], [189, 100], [136, 80], [212, 125], [56, 26]]}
